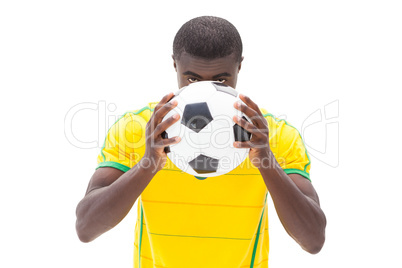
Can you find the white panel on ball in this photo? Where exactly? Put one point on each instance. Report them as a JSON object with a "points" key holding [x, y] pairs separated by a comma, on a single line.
{"points": [[206, 129], [194, 91]]}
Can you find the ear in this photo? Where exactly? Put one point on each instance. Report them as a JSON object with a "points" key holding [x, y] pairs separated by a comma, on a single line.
{"points": [[242, 58], [174, 63]]}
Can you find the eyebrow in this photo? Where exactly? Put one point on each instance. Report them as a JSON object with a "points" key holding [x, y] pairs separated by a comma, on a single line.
{"points": [[221, 74], [200, 77], [192, 74]]}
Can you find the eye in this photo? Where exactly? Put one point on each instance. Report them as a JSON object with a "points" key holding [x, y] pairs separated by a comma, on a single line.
{"points": [[192, 80], [221, 80]]}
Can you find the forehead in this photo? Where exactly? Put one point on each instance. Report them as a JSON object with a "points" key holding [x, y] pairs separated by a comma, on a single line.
{"points": [[207, 67]]}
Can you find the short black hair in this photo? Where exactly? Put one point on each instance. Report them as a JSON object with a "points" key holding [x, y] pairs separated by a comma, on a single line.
{"points": [[208, 37]]}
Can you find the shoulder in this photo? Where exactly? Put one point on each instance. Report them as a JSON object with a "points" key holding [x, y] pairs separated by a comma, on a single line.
{"points": [[133, 120], [284, 138], [145, 112], [142, 114], [280, 127]]}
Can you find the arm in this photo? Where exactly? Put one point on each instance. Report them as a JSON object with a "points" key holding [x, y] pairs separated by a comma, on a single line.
{"points": [[297, 205], [110, 196], [111, 193], [294, 197]]}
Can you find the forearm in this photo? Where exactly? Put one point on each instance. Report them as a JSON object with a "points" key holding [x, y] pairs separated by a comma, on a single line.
{"points": [[103, 208], [300, 215]]}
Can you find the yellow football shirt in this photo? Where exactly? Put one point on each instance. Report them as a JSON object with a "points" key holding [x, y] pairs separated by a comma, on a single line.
{"points": [[187, 222]]}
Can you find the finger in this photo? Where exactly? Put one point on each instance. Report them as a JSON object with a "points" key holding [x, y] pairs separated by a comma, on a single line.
{"points": [[164, 135], [248, 126], [157, 116], [160, 114], [166, 124], [166, 142], [243, 144], [164, 100], [251, 113], [249, 144], [244, 123], [250, 103]]}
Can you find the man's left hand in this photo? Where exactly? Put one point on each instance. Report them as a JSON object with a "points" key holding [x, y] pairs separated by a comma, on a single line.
{"points": [[260, 151]]}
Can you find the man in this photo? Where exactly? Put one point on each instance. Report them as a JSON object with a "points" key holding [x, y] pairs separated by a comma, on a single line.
{"points": [[217, 222]]}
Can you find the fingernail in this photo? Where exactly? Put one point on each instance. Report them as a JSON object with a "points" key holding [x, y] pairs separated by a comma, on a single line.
{"points": [[176, 116], [177, 139]]}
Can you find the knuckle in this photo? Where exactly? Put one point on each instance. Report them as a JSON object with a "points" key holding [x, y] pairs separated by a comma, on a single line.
{"points": [[252, 127], [167, 142], [158, 106], [156, 113], [169, 106], [171, 120]]}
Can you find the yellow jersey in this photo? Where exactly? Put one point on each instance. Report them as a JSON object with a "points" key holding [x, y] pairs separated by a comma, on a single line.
{"points": [[183, 221]]}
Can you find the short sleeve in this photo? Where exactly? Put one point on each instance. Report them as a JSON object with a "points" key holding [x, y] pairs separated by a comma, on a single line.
{"points": [[123, 143], [293, 153]]}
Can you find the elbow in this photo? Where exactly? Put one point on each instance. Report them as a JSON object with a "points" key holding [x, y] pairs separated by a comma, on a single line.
{"points": [[86, 231], [315, 247], [84, 238], [82, 226], [83, 229], [317, 243], [82, 235], [316, 240]]}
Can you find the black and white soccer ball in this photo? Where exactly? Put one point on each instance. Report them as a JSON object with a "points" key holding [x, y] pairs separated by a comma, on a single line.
{"points": [[207, 130]]}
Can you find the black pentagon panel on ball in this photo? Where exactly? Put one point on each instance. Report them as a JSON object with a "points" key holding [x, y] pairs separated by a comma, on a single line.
{"points": [[240, 134], [164, 135], [204, 164], [196, 116], [225, 88]]}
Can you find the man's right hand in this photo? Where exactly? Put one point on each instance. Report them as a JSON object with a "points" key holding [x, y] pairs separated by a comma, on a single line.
{"points": [[155, 156]]}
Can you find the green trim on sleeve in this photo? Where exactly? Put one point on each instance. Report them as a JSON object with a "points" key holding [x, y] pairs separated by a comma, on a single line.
{"points": [[297, 171], [112, 164]]}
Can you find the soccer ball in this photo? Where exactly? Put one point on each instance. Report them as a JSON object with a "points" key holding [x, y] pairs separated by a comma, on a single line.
{"points": [[207, 130]]}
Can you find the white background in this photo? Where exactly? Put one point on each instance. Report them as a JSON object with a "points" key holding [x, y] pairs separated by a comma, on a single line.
{"points": [[299, 57]]}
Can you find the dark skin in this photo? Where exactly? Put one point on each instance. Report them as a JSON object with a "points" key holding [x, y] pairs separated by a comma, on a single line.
{"points": [[294, 197], [111, 193]]}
